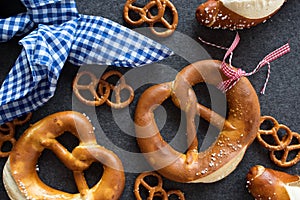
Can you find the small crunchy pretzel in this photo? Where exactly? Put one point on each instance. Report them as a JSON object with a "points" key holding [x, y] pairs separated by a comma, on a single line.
{"points": [[147, 17], [154, 191], [91, 87], [7, 133], [20, 177], [117, 89], [143, 12], [220, 159], [280, 145]]}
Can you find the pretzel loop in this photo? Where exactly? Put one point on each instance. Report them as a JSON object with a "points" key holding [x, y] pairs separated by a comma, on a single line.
{"points": [[7, 133], [23, 182], [121, 85], [143, 12], [91, 87], [156, 190], [168, 28], [279, 144]]}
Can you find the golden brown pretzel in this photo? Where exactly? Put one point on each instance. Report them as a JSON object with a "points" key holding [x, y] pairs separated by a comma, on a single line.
{"points": [[265, 184], [228, 14], [20, 177], [229, 148], [147, 17], [142, 12], [117, 89], [156, 190], [92, 88], [7, 133], [283, 144]]}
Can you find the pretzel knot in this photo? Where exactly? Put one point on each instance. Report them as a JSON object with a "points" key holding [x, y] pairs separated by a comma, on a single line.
{"points": [[7, 133], [278, 144], [101, 90], [237, 130], [156, 190], [146, 16], [21, 181]]}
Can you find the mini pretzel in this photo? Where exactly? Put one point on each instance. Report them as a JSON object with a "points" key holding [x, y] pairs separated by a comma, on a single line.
{"points": [[143, 12], [223, 156], [280, 145], [20, 177], [147, 17], [117, 89], [7, 133], [264, 183], [92, 88], [154, 191]]}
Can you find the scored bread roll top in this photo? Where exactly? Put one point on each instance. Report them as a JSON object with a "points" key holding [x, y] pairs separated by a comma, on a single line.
{"points": [[236, 14]]}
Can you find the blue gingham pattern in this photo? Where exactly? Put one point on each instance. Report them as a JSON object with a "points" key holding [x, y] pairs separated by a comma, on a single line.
{"points": [[63, 34]]}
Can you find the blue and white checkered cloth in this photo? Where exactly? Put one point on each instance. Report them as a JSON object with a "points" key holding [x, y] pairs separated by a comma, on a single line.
{"points": [[63, 34]]}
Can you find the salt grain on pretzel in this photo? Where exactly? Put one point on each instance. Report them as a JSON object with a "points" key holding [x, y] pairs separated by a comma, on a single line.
{"points": [[236, 14], [224, 155], [267, 184], [20, 176]]}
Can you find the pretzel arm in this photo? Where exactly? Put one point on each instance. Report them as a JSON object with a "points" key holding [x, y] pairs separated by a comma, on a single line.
{"points": [[81, 183], [64, 155]]}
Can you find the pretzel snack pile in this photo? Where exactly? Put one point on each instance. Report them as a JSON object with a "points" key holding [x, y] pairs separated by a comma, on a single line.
{"points": [[220, 159], [152, 20], [20, 177]]}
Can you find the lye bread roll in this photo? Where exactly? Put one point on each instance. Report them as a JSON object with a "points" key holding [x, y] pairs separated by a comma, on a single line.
{"points": [[236, 14]]}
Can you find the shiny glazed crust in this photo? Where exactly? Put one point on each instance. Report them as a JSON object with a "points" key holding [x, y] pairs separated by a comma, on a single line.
{"points": [[223, 156], [215, 14], [20, 177], [264, 183]]}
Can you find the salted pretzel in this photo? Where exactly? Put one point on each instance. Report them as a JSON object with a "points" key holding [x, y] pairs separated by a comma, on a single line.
{"points": [[279, 144], [7, 133], [116, 89], [20, 177], [156, 190], [147, 17], [220, 159], [264, 183], [91, 87]]}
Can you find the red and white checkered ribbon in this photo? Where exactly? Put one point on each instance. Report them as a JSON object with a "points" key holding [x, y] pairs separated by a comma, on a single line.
{"points": [[235, 75]]}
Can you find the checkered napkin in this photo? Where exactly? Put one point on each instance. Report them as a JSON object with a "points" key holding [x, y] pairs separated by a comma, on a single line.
{"points": [[63, 34]]}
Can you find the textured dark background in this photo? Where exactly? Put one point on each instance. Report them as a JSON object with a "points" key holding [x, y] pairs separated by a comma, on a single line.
{"points": [[280, 101]]}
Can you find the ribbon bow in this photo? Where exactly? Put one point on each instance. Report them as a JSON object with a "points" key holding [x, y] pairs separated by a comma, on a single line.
{"points": [[63, 34], [235, 75]]}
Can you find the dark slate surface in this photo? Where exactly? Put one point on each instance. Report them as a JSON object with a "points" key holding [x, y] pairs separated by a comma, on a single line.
{"points": [[280, 101]]}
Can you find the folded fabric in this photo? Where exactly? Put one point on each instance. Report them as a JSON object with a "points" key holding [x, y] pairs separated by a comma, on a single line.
{"points": [[63, 34]]}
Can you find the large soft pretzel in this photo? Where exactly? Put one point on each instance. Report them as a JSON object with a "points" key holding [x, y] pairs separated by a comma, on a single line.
{"points": [[20, 177], [264, 183], [229, 148]]}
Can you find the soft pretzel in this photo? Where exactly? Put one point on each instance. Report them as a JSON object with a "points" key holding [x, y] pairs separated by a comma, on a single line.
{"points": [[264, 183], [223, 156], [20, 177], [236, 14]]}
